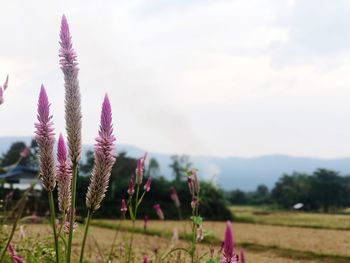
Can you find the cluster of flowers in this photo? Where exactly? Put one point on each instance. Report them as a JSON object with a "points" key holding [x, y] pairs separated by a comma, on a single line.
{"points": [[63, 175]]}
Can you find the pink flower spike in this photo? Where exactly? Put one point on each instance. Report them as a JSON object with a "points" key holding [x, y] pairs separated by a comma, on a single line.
{"points": [[145, 259], [13, 255], [131, 189], [174, 197], [242, 256], [229, 255], [73, 116], [123, 208], [140, 164], [159, 211], [104, 159], [45, 139], [64, 175], [147, 185]]}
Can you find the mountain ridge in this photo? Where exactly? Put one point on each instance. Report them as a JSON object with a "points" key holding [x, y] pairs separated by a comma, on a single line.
{"points": [[228, 172]]}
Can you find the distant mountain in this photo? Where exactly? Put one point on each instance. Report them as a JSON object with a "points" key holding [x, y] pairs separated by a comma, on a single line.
{"points": [[232, 172]]}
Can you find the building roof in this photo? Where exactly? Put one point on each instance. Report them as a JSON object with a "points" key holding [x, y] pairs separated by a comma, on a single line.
{"points": [[19, 172]]}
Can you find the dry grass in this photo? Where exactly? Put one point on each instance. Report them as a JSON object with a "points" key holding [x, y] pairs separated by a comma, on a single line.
{"points": [[285, 218], [144, 245]]}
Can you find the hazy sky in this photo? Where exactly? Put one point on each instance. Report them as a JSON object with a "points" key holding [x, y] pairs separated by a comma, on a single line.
{"points": [[225, 78]]}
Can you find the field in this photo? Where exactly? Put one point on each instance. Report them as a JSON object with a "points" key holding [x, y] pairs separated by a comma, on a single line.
{"points": [[273, 237]]}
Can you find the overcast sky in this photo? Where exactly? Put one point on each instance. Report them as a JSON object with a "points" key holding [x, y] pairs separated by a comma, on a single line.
{"points": [[224, 78]]}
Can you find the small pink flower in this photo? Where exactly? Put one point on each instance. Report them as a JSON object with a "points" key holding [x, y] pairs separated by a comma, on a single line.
{"points": [[145, 259], [174, 197], [159, 211], [139, 169], [131, 189], [123, 208], [147, 185]]}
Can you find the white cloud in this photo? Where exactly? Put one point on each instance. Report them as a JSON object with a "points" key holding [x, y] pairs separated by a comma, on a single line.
{"points": [[198, 77]]}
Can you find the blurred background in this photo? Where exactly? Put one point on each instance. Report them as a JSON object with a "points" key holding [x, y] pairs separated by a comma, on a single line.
{"points": [[253, 94]]}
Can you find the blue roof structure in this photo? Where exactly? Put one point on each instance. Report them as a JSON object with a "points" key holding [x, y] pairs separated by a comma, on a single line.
{"points": [[19, 172]]}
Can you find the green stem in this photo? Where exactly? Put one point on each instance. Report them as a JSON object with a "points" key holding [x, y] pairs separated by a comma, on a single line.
{"points": [[53, 223], [72, 210], [89, 214], [133, 222], [64, 218], [12, 231]]}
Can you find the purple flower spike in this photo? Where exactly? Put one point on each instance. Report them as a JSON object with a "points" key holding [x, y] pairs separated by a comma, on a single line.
{"points": [[13, 255], [64, 174], [145, 259], [159, 211], [229, 255], [104, 159], [68, 62], [242, 256], [123, 209], [131, 188], [147, 185], [45, 139], [174, 197], [139, 168]]}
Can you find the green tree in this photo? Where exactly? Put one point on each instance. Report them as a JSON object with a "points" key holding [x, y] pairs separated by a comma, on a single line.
{"points": [[153, 168], [327, 189], [179, 165], [13, 154]]}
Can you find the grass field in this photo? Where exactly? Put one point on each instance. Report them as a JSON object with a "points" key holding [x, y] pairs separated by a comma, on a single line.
{"points": [[266, 216], [273, 237]]}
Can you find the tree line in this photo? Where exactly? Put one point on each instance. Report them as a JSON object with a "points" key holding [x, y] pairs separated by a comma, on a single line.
{"points": [[323, 190], [214, 206]]}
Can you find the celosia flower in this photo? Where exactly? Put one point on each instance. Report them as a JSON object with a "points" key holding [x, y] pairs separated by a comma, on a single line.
{"points": [[174, 197], [104, 159], [67, 223], [229, 255], [2, 90], [123, 208], [200, 234], [193, 182], [45, 139], [159, 211], [145, 259], [139, 169], [242, 257], [64, 175], [145, 220], [25, 152], [147, 185], [131, 189], [68, 61], [13, 255]]}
